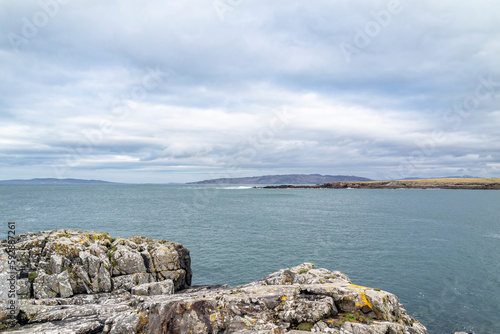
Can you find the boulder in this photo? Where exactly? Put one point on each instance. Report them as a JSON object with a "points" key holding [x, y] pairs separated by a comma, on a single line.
{"points": [[24, 288], [303, 274], [128, 261], [128, 282], [156, 288], [50, 286]]}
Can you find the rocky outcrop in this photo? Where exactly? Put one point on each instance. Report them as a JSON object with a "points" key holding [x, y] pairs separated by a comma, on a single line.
{"points": [[287, 301], [65, 263]]}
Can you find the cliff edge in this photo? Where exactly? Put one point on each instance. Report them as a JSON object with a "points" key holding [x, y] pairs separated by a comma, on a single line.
{"points": [[72, 281]]}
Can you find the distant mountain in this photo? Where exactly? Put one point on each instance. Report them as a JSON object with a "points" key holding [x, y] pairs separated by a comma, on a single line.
{"points": [[285, 179], [54, 181]]}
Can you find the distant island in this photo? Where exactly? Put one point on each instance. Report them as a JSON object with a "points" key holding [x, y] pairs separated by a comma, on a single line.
{"points": [[284, 179], [444, 183], [54, 181]]}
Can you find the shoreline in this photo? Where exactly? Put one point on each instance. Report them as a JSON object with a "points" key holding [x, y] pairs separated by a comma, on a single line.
{"points": [[466, 183], [77, 281]]}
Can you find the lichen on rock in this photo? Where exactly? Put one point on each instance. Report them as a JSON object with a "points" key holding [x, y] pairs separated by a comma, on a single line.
{"points": [[68, 262], [86, 282]]}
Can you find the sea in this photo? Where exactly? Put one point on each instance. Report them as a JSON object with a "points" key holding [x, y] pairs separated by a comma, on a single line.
{"points": [[437, 250]]}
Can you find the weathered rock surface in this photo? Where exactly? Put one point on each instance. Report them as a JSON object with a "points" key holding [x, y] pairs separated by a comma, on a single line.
{"points": [[64, 263], [287, 301], [165, 287]]}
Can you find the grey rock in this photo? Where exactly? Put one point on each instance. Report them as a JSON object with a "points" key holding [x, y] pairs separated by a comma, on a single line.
{"points": [[156, 288], [97, 267], [178, 276], [165, 258], [308, 309], [64, 285], [9, 306], [55, 263], [125, 323], [80, 280], [24, 288], [251, 308], [260, 332], [82, 326], [51, 286], [90, 283], [30, 312], [303, 274], [322, 327], [127, 282], [95, 263], [128, 261], [148, 261]]}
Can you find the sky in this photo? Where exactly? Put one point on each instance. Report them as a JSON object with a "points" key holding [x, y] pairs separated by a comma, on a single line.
{"points": [[177, 91]]}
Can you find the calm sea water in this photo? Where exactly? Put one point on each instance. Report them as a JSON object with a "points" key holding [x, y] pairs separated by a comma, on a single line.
{"points": [[437, 250]]}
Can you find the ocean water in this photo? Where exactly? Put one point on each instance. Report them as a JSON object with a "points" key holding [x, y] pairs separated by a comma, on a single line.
{"points": [[437, 250]]}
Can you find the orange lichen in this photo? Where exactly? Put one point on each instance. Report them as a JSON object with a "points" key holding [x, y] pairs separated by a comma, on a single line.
{"points": [[362, 294]]}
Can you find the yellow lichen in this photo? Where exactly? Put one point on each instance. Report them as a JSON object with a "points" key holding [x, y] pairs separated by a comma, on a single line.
{"points": [[362, 294], [246, 322]]}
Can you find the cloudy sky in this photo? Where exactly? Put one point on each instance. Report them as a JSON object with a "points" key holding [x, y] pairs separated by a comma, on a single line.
{"points": [[177, 91]]}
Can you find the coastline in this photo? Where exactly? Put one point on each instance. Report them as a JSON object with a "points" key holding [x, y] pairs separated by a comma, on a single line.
{"points": [[76, 281], [465, 183]]}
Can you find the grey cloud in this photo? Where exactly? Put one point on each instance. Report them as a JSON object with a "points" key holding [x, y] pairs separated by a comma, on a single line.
{"points": [[365, 115]]}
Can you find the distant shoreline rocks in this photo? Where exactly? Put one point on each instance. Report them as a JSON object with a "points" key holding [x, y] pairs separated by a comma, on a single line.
{"points": [[458, 183], [72, 281]]}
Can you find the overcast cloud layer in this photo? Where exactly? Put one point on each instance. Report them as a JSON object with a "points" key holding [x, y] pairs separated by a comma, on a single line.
{"points": [[176, 91]]}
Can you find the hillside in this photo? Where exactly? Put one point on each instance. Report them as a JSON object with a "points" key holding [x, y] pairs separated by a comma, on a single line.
{"points": [[54, 181], [284, 179]]}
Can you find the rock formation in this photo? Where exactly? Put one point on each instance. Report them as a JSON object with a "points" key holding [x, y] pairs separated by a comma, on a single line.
{"points": [[64, 263], [140, 285]]}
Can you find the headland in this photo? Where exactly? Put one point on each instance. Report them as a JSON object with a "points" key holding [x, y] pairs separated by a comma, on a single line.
{"points": [[445, 183]]}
